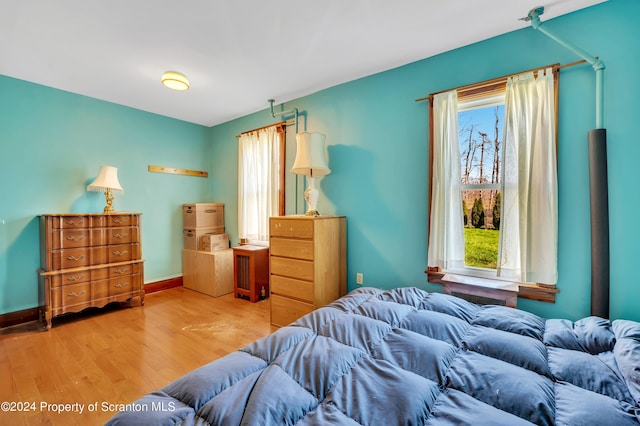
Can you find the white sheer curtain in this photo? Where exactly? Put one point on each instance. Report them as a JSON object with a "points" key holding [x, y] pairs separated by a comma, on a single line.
{"points": [[446, 229], [529, 220], [258, 182]]}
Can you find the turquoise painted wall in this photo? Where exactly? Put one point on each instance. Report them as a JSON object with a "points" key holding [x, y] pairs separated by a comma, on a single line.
{"points": [[52, 144], [377, 143]]}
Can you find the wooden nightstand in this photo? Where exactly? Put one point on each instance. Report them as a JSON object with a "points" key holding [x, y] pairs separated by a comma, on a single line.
{"points": [[251, 272]]}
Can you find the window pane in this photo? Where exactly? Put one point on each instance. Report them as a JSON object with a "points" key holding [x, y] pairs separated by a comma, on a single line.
{"points": [[480, 132], [481, 211], [480, 135]]}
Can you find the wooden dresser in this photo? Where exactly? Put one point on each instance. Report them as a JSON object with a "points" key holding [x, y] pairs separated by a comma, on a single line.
{"points": [[89, 260], [308, 264]]}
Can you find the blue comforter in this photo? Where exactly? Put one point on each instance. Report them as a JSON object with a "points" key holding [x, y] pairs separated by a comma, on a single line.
{"points": [[409, 357]]}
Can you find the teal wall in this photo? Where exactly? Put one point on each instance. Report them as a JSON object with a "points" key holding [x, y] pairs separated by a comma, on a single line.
{"points": [[52, 144], [377, 143]]}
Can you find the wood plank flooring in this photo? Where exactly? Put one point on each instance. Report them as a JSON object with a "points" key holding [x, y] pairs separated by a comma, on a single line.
{"points": [[115, 356]]}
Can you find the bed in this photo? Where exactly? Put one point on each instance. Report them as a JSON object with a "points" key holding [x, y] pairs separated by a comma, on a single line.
{"points": [[409, 357]]}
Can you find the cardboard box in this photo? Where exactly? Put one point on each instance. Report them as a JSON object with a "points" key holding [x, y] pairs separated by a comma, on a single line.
{"points": [[203, 215], [213, 242], [208, 273], [192, 235]]}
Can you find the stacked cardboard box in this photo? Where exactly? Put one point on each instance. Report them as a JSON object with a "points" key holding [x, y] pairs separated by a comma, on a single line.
{"points": [[213, 242], [204, 219]]}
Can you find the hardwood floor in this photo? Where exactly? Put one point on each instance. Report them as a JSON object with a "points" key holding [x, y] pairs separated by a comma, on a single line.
{"points": [[115, 356]]}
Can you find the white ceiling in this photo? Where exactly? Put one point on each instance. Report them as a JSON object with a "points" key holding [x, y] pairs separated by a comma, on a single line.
{"points": [[237, 54]]}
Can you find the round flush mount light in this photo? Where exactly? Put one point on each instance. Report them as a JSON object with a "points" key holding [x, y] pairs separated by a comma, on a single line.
{"points": [[175, 80]]}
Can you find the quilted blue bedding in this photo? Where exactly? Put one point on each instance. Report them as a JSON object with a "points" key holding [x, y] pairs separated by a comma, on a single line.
{"points": [[409, 357]]}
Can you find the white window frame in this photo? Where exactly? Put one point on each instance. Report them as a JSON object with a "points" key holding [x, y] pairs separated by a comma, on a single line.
{"points": [[463, 106]]}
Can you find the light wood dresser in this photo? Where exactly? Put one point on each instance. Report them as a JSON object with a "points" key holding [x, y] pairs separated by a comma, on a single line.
{"points": [[89, 260], [308, 264]]}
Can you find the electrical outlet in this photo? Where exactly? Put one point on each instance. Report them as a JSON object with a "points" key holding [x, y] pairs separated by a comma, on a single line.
{"points": [[359, 278]]}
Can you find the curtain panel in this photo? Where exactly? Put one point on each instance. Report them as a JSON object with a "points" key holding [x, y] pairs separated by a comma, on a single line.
{"points": [[529, 221], [446, 229], [258, 182]]}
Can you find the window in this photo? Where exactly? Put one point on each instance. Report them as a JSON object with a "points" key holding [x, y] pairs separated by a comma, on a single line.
{"points": [[493, 157], [480, 142], [261, 156]]}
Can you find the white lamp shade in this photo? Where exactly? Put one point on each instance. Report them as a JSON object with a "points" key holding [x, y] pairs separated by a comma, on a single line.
{"points": [[107, 179], [311, 158]]}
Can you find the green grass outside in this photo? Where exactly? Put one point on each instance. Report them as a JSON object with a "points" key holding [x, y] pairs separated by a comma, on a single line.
{"points": [[481, 247]]}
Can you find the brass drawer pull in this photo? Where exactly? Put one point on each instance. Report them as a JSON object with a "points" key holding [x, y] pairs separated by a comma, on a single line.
{"points": [[117, 235], [120, 253], [121, 271], [73, 222], [75, 258], [75, 278], [74, 294], [75, 238], [121, 220], [121, 285]]}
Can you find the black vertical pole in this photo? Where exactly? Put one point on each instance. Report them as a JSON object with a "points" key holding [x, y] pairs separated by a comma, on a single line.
{"points": [[599, 190]]}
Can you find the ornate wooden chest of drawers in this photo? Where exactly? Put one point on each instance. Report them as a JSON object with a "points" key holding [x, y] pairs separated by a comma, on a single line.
{"points": [[307, 264], [89, 260]]}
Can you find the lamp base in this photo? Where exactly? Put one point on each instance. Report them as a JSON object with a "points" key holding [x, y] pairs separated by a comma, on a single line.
{"points": [[311, 196], [108, 195]]}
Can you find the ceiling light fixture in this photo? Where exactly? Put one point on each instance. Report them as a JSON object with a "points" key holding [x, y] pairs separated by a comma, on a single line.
{"points": [[175, 80]]}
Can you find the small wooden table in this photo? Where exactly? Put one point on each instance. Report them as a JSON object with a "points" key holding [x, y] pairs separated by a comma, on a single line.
{"points": [[251, 272]]}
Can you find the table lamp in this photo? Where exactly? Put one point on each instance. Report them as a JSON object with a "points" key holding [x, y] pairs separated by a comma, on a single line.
{"points": [[311, 161], [106, 181]]}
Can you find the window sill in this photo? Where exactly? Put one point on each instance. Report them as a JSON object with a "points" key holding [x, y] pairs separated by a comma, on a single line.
{"points": [[540, 292]]}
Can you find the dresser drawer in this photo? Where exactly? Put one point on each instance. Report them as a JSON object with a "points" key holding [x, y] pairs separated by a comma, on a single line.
{"points": [[121, 235], [75, 294], [284, 311], [80, 237], [294, 228], [283, 286], [122, 220], [286, 247], [77, 257], [70, 222], [301, 269], [121, 285], [123, 270], [122, 253], [71, 278]]}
